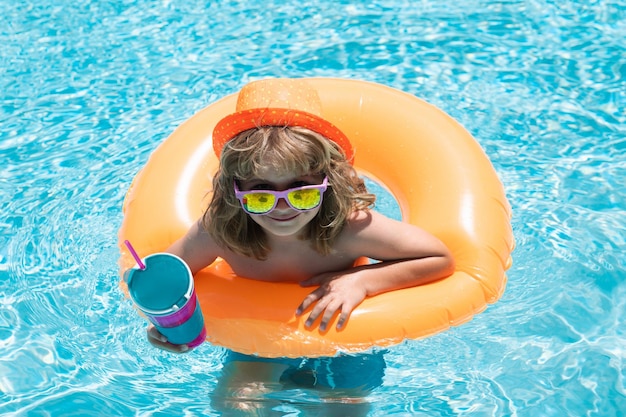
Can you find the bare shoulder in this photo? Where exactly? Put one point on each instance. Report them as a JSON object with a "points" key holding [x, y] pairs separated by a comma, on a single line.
{"points": [[379, 237], [196, 247], [371, 223]]}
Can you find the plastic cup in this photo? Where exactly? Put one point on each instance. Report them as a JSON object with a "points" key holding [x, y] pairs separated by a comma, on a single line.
{"points": [[165, 293]]}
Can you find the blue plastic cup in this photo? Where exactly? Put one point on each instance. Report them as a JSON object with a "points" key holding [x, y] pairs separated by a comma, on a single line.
{"points": [[165, 293]]}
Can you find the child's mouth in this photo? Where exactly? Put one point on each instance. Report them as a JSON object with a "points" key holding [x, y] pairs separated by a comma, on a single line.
{"points": [[284, 219]]}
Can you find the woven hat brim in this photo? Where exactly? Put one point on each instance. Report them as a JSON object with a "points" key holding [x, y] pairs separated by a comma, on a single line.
{"points": [[233, 124]]}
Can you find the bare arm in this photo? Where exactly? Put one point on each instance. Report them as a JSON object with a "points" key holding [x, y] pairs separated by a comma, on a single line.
{"points": [[408, 255], [196, 248]]}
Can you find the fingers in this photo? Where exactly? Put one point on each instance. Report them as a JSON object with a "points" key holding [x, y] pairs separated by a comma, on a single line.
{"points": [[328, 313], [336, 294], [343, 318], [309, 300], [326, 308], [157, 339], [154, 335]]}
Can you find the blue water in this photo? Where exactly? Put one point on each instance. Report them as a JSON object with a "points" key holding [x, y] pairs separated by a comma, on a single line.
{"points": [[90, 88]]}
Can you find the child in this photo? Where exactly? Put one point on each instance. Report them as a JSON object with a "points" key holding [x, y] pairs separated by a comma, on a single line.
{"points": [[287, 205], [267, 147]]}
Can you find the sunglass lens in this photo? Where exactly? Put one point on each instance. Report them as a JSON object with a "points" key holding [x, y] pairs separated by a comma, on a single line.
{"points": [[305, 199], [258, 203]]}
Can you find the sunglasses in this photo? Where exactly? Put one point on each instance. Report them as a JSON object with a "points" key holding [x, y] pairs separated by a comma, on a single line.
{"points": [[303, 198]]}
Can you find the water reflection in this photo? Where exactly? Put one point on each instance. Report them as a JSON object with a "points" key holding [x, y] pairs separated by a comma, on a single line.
{"points": [[325, 387]]}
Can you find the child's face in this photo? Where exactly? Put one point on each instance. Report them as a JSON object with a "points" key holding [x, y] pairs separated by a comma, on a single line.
{"points": [[283, 220]]}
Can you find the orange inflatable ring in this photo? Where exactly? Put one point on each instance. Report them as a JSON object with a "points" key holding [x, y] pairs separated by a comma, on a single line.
{"points": [[437, 172]]}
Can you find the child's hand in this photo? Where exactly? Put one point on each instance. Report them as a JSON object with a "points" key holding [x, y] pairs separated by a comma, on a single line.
{"points": [[156, 339], [337, 292]]}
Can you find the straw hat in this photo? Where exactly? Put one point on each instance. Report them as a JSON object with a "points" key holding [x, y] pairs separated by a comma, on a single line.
{"points": [[278, 102]]}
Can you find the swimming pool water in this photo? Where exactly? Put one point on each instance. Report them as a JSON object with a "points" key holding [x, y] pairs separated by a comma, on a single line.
{"points": [[89, 89]]}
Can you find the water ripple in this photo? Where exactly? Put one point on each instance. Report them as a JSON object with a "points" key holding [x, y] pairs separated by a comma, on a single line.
{"points": [[91, 88]]}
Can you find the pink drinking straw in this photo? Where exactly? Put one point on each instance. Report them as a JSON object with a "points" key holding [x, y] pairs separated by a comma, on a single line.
{"points": [[132, 252]]}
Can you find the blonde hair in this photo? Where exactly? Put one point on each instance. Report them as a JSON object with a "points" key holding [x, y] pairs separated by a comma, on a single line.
{"points": [[284, 149]]}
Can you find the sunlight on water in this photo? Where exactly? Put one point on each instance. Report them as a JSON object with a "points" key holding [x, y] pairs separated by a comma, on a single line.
{"points": [[91, 88]]}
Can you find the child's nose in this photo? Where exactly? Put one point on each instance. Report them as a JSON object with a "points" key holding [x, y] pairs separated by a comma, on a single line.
{"points": [[282, 204]]}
